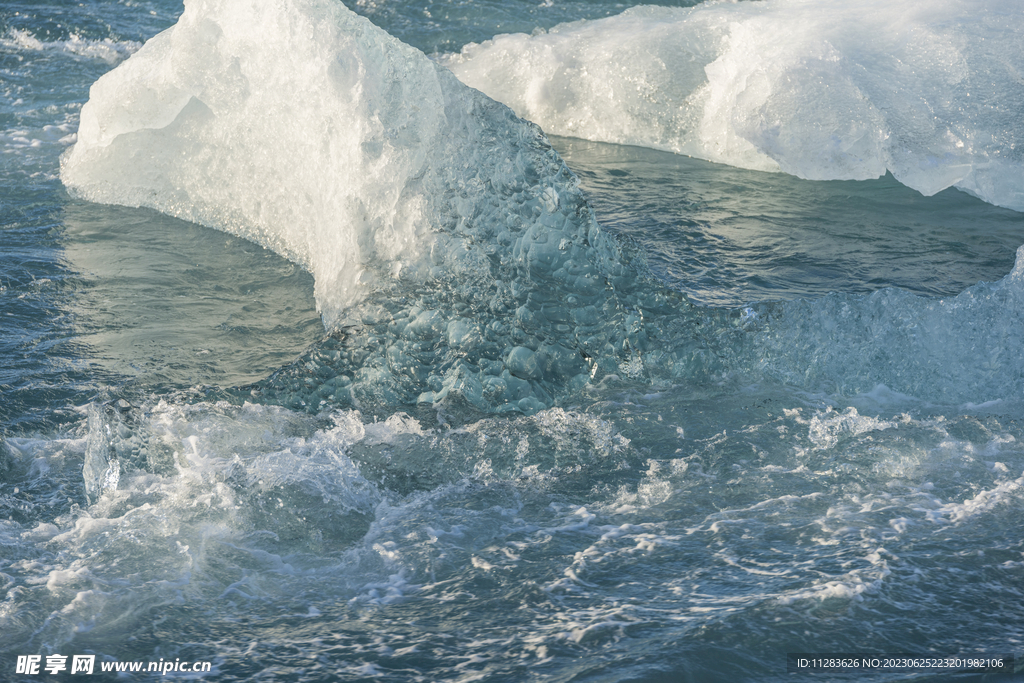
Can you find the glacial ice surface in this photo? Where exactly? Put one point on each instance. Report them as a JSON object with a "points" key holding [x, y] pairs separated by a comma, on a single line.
{"points": [[929, 90], [451, 247], [305, 128]]}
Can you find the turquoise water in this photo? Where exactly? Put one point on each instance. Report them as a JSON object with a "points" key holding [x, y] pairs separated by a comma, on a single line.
{"points": [[351, 374]]}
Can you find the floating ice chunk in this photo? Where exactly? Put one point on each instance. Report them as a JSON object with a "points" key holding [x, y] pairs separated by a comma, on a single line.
{"points": [[295, 124], [930, 91], [303, 127], [421, 207]]}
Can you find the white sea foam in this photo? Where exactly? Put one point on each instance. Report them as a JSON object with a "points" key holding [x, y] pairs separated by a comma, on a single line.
{"points": [[262, 486], [930, 91], [107, 49], [826, 428], [1006, 492], [231, 503]]}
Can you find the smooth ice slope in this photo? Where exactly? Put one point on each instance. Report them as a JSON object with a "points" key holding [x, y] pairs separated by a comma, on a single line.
{"points": [[305, 128], [929, 90]]}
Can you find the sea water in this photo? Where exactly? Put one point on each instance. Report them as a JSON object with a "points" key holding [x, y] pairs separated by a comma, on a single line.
{"points": [[318, 364]]}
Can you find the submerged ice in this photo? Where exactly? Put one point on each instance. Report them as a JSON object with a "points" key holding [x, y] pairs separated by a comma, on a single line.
{"points": [[928, 91]]}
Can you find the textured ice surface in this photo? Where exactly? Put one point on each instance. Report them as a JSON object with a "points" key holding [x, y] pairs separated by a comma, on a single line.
{"points": [[446, 238], [967, 348], [307, 129], [930, 91]]}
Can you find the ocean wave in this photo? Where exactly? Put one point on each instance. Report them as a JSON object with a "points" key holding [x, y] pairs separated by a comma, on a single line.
{"points": [[926, 90], [107, 49]]}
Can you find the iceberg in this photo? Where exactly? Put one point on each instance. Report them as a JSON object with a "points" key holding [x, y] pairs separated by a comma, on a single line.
{"points": [[443, 232], [454, 255], [929, 91], [303, 127]]}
